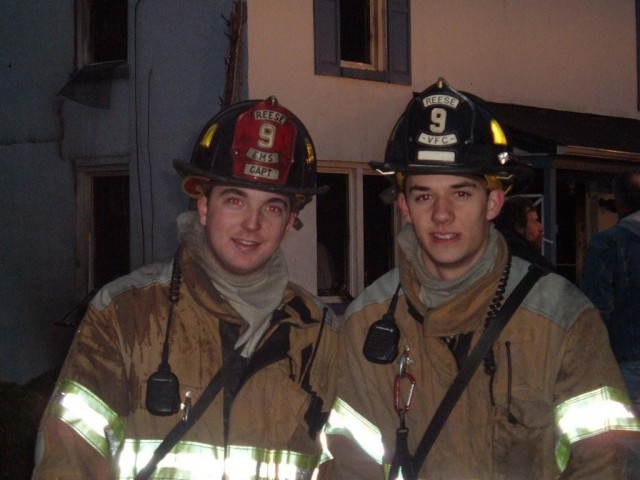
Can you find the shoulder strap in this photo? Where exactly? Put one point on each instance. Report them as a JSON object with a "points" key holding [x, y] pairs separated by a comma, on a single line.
{"points": [[487, 339], [262, 357]]}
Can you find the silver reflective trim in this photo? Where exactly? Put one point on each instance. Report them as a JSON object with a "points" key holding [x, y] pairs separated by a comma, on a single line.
{"points": [[590, 414], [434, 156], [88, 415], [195, 461], [344, 420]]}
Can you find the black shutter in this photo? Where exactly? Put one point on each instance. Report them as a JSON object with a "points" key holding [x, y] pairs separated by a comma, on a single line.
{"points": [[326, 36], [399, 41]]}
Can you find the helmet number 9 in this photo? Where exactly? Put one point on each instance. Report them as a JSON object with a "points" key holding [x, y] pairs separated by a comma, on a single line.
{"points": [[267, 135], [438, 120]]}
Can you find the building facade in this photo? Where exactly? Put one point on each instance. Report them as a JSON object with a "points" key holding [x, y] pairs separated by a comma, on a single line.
{"points": [[100, 96]]}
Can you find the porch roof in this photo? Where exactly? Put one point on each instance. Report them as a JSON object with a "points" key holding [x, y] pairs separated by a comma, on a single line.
{"points": [[543, 130]]}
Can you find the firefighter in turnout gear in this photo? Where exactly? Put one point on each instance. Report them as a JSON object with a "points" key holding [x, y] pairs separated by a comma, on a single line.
{"points": [[547, 399], [213, 365]]}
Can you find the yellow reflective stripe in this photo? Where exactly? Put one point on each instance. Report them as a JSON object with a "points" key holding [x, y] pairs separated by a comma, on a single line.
{"points": [[344, 420], [590, 414], [88, 415], [195, 460]]}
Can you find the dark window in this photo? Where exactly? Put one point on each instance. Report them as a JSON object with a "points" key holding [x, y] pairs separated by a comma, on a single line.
{"points": [[101, 31], [333, 235], [109, 30], [111, 228], [336, 43], [378, 228], [339, 274], [355, 33]]}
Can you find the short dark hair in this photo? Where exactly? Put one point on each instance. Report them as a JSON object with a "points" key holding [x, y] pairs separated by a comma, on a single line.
{"points": [[514, 213], [626, 186]]}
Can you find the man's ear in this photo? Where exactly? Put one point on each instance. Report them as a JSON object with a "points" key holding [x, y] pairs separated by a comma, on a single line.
{"points": [[293, 216], [494, 203], [203, 207], [404, 208]]}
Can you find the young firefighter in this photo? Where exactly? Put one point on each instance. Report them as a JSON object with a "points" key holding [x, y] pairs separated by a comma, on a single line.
{"points": [[547, 396], [225, 310]]}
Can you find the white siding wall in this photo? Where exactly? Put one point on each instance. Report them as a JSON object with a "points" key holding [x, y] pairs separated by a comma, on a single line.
{"points": [[173, 89], [576, 55]]}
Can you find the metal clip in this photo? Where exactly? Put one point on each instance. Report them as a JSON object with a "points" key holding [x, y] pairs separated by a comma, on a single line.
{"points": [[186, 406], [405, 361]]}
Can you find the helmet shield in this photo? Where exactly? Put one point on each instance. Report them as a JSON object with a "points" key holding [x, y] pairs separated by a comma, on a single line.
{"points": [[443, 131], [263, 145], [253, 144]]}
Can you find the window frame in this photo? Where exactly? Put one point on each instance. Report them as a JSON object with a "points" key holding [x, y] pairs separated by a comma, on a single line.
{"points": [[394, 36], [355, 172], [85, 171]]}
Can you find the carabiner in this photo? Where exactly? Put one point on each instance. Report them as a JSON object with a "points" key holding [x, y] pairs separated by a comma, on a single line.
{"points": [[404, 408]]}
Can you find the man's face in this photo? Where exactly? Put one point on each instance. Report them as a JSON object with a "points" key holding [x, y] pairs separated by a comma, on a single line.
{"points": [[450, 216], [244, 227], [533, 232]]}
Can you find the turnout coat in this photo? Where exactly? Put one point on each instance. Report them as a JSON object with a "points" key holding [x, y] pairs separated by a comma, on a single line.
{"points": [[265, 423], [549, 410]]}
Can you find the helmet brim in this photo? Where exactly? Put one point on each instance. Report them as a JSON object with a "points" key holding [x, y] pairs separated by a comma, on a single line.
{"points": [[186, 169], [516, 176]]}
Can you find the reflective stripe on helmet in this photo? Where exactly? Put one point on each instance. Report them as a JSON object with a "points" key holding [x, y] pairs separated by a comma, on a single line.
{"points": [[499, 138], [345, 421], [194, 460], [589, 414], [88, 415]]}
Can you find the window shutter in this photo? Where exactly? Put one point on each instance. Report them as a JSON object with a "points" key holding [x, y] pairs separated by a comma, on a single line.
{"points": [[326, 30], [399, 39]]}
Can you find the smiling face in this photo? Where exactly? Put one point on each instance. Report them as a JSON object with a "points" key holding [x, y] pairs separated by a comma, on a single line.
{"points": [[450, 216], [244, 227]]}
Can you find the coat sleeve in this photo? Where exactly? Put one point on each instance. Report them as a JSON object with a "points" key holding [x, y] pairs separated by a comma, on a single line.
{"points": [[350, 460], [589, 372], [62, 454], [81, 427]]}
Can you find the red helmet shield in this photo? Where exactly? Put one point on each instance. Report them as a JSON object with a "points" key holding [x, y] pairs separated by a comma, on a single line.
{"points": [[264, 144]]}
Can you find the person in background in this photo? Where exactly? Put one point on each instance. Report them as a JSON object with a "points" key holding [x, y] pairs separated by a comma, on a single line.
{"points": [[212, 365], [611, 280], [520, 226], [547, 401]]}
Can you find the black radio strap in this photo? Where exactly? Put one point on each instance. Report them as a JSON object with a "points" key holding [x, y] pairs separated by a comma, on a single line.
{"points": [[486, 341]]}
